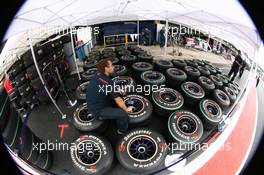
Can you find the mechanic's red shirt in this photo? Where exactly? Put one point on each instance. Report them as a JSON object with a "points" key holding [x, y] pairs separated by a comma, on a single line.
{"points": [[8, 86]]}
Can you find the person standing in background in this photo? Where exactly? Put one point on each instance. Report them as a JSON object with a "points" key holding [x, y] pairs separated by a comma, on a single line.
{"points": [[237, 64], [242, 68], [162, 37]]}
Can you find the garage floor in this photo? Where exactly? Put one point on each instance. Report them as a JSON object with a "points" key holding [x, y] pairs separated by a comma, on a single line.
{"points": [[44, 121]]}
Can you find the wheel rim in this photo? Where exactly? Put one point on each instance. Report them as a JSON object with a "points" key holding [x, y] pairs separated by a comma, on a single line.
{"points": [[193, 89], [211, 109], [164, 62], [118, 68], [187, 125], [84, 116], [222, 96], [176, 72], [142, 65], [142, 148], [152, 76], [168, 97], [88, 153]]}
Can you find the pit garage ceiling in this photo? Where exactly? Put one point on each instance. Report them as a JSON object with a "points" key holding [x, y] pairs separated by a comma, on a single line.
{"points": [[225, 19]]}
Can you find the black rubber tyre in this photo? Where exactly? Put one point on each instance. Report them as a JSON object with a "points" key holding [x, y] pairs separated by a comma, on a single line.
{"points": [[17, 68], [125, 83], [81, 91], [210, 113], [85, 121], [185, 127], [123, 53], [109, 55], [115, 60], [107, 50], [32, 72], [94, 55], [88, 64], [152, 78], [26, 144], [204, 71], [223, 78], [175, 77], [92, 154], [217, 81], [166, 101], [231, 94], [221, 98], [211, 69], [36, 84], [30, 98], [141, 150], [119, 70], [207, 84], [207, 62], [142, 109], [128, 60], [27, 56], [179, 64], [145, 58], [233, 87], [192, 73], [218, 70], [20, 79], [162, 65], [191, 63], [44, 160], [12, 127], [88, 74], [199, 62], [25, 89], [140, 67], [192, 93], [4, 108], [138, 51]]}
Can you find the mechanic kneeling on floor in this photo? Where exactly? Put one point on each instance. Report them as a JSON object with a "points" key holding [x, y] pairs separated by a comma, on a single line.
{"points": [[100, 102]]}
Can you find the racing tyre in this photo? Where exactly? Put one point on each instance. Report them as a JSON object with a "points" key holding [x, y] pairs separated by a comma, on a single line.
{"points": [[92, 154], [185, 127], [166, 101], [210, 113], [162, 65], [175, 77], [217, 81], [221, 98], [207, 84], [85, 121], [81, 91], [88, 74], [180, 64], [192, 72], [141, 150], [231, 94], [192, 92]]}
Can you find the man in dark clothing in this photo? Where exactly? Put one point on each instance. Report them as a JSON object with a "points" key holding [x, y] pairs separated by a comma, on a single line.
{"points": [[258, 78], [241, 71], [235, 66], [162, 37], [100, 96]]}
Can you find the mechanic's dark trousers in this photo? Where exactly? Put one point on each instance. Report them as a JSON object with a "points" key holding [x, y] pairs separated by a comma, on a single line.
{"points": [[234, 70], [257, 82], [118, 114], [241, 71]]}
